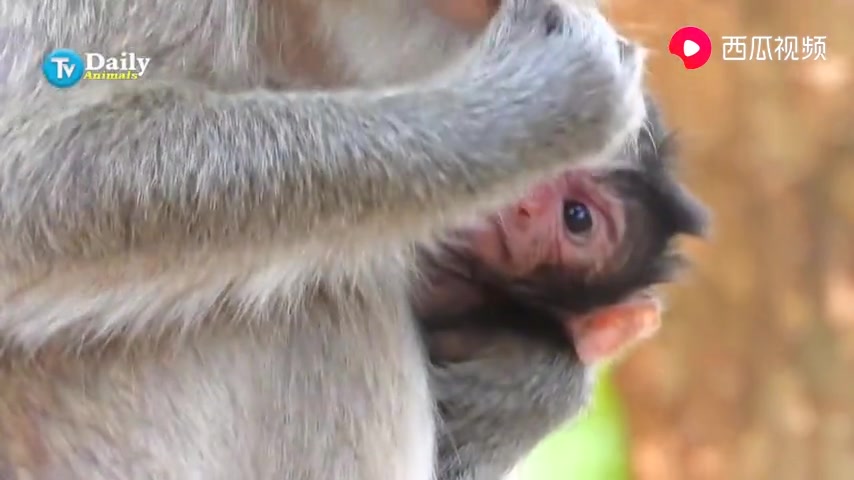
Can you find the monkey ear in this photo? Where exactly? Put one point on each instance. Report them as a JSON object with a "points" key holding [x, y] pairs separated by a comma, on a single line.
{"points": [[691, 216], [608, 331], [471, 15]]}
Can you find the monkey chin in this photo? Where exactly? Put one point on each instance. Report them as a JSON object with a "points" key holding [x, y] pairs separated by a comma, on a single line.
{"points": [[605, 332]]}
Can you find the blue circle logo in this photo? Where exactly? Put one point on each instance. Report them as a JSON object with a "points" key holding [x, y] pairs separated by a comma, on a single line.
{"points": [[63, 68]]}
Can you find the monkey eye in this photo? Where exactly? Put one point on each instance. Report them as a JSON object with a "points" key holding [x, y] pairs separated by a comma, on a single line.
{"points": [[577, 217]]}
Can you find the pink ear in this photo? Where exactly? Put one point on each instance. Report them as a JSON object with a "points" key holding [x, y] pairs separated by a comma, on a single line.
{"points": [[468, 14], [608, 331]]}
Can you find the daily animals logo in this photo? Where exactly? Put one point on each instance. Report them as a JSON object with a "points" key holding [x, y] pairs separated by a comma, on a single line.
{"points": [[64, 68]]}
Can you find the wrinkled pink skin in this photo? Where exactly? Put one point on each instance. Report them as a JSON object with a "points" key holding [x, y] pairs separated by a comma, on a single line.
{"points": [[534, 234], [531, 233]]}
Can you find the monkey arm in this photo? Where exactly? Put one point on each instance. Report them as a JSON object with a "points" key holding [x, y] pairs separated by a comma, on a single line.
{"points": [[500, 394], [99, 169], [127, 204], [104, 168], [135, 206], [494, 409]]}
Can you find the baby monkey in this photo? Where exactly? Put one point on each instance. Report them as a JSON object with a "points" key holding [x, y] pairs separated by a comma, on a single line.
{"points": [[517, 309]]}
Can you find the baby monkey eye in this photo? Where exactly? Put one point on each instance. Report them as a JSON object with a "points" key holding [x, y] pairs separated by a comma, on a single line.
{"points": [[577, 217]]}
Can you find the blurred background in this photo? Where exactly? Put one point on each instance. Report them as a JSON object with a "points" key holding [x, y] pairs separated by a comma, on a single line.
{"points": [[752, 375]]}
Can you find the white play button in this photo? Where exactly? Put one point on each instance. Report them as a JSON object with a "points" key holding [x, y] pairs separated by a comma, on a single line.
{"points": [[689, 48]]}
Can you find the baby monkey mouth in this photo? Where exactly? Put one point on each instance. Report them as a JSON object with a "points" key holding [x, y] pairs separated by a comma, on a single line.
{"points": [[590, 322], [591, 337]]}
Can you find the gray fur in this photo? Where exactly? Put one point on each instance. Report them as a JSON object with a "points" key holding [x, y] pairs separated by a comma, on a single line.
{"points": [[500, 404], [203, 277], [502, 390]]}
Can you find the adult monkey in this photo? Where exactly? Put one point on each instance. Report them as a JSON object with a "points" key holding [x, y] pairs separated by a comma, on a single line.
{"points": [[204, 271]]}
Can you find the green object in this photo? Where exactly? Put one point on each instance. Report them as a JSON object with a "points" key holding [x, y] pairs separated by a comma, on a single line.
{"points": [[594, 447]]}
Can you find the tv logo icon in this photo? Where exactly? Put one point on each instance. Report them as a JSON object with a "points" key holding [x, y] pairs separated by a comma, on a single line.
{"points": [[63, 68]]}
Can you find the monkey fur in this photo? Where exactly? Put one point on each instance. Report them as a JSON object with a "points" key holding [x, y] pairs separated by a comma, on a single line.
{"points": [[504, 371], [204, 272]]}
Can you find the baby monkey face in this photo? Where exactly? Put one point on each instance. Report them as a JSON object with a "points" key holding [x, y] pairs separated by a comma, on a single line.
{"points": [[576, 222]]}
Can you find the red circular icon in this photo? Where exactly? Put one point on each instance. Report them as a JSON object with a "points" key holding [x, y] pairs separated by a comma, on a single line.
{"points": [[692, 45]]}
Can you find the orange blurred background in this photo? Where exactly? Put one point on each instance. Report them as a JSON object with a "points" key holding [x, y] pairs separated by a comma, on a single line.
{"points": [[752, 376]]}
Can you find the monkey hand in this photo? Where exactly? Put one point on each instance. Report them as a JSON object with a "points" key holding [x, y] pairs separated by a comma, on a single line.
{"points": [[499, 394], [562, 79]]}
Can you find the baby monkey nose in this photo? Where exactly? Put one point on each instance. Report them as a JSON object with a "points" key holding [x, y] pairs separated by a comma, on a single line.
{"points": [[529, 209], [536, 203]]}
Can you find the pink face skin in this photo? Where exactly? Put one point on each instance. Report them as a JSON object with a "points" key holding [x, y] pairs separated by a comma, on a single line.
{"points": [[533, 232]]}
